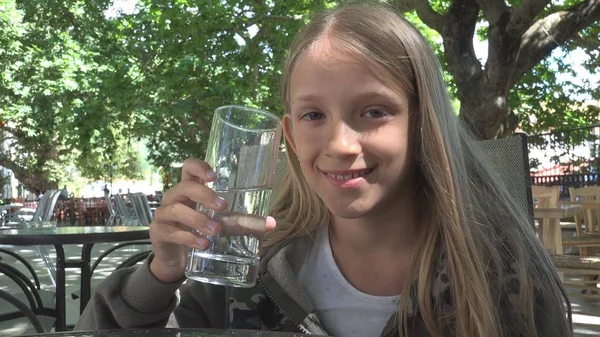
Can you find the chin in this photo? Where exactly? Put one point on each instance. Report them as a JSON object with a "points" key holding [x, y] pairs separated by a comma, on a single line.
{"points": [[348, 212]]}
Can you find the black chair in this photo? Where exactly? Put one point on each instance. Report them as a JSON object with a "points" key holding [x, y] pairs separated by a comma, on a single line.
{"points": [[19, 329], [129, 262], [41, 303], [27, 265], [510, 158]]}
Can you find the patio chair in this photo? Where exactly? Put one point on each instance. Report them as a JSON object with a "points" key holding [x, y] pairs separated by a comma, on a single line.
{"points": [[23, 216], [43, 212], [545, 196], [30, 301], [158, 195], [128, 262], [510, 158], [20, 329], [141, 208], [591, 217], [249, 173], [111, 210], [280, 168], [144, 218], [126, 216]]}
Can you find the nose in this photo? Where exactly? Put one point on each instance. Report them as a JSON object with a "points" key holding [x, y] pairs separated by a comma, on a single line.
{"points": [[343, 142]]}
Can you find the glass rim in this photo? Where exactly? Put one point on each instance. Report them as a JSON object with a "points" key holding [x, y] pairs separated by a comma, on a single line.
{"points": [[270, 115]]}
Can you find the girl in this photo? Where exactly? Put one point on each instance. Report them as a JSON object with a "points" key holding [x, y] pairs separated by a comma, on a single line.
{"points": [[388, 220]]}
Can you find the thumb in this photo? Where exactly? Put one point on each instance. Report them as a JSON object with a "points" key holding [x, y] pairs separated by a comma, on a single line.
{"points": [[271, 223]]}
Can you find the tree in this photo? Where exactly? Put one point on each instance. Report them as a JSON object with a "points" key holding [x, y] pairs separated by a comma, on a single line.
{"points": [[185, 58], [80, 86], [54, 107], [520, 35], [199, 44]]}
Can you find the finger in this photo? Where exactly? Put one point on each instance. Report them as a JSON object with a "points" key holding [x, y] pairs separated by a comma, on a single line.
{"points": [[190, 192], [197, 170], [243, 224], [177, 213], [161, 233], [271, 223]]}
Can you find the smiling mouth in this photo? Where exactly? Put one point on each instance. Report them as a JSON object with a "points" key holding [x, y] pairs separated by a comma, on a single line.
{"points": [[349, 175]]}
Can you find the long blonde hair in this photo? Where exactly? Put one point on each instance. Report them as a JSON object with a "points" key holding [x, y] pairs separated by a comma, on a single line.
{"points": [[472, 221]]}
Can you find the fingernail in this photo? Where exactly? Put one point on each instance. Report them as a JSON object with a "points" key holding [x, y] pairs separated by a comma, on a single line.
{"points": [[210, 174], [219, 201], [200, 242], [211, 224]]}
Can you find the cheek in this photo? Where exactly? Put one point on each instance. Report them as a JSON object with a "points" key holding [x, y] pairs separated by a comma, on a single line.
{"points": [[394, 144], [306, 145]]}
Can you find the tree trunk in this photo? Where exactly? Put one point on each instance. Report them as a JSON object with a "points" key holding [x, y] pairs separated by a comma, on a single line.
{"points": [[35, 181], [518, 38], [484, 109]]}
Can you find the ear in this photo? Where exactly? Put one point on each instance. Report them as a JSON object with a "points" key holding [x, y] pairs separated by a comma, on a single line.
{"points": [[287, 131]]}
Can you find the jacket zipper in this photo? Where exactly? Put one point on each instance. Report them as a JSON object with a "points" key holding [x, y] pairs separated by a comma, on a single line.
{"points": [[301, 327]]}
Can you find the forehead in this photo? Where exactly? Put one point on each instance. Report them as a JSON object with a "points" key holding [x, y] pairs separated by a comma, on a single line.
{"points": [[329, 53]]}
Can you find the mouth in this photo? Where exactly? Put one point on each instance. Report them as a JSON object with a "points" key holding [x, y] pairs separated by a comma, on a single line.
{"points": [[348, 175]]}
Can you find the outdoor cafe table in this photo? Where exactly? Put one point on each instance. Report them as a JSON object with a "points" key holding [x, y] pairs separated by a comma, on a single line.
{"points": [[172, 333], [49, 233], [549, 224]]}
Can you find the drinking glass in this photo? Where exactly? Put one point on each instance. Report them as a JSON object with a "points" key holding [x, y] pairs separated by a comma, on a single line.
{"points": [[242, 150]]}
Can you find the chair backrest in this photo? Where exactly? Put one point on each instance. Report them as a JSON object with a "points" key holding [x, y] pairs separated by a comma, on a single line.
{"points": [[508, 156], [39, 210], [142, 208], [121, 206], [49, 210], [545, 196], [591, 215], [25, 310], [45, 208], [249, 172], [158, 195], [280, 168], [111, 209], [585, 194]]}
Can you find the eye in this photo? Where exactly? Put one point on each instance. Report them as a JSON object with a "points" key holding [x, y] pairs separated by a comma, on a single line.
{"points": [[313, 116], [376, 113]]}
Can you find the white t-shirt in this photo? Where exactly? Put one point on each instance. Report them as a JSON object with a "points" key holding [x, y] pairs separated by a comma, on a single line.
{"points": [[344, 310]]}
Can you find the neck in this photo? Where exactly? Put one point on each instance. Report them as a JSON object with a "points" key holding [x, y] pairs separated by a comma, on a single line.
{"points": [[391, 229], [374, 252]]}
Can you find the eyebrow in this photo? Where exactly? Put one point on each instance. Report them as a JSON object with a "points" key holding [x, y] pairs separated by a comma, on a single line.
{"points": [[383, 94], [306, 98]]}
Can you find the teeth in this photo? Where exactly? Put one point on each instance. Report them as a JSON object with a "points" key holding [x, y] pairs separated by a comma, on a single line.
{"points": [[349, 176]]}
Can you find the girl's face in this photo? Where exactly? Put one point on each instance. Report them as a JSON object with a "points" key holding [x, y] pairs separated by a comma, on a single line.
{"points": [[350, 132]]}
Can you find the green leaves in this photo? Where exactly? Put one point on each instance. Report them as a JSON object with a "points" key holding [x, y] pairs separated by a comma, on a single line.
{"points": [[81, 87]]}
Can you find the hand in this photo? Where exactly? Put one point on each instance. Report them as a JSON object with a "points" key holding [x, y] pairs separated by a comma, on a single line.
{"points": [[177, 225]]}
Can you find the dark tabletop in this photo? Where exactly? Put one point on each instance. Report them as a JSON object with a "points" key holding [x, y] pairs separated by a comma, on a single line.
{"points": [[50, 234], [172, 333]]}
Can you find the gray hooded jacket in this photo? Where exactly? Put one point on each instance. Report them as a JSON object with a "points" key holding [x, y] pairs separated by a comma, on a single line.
{"points": [[134, 298]]}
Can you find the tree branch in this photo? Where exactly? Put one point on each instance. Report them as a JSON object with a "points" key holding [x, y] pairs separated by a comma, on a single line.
{"points": [[522, 16], [15, 132], [262, 18], [492, 9], [5, 161], [430, 17], [550, 32], [589, 44], [460, 22]]}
